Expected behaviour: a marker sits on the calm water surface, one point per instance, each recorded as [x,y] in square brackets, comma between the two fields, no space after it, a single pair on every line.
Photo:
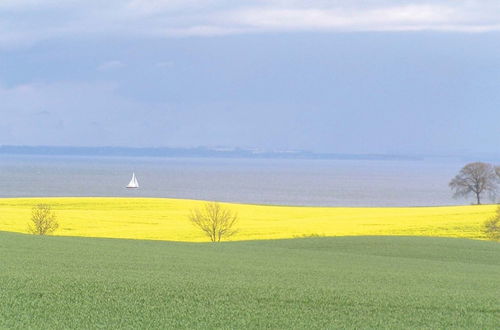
[286,182]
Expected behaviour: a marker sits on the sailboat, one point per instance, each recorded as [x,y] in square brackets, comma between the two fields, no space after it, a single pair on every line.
[133,183]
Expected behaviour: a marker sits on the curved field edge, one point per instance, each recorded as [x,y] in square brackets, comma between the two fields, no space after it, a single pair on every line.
[313,283]
[167,219]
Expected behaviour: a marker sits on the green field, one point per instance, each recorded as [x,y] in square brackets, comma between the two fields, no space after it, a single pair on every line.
[346,282]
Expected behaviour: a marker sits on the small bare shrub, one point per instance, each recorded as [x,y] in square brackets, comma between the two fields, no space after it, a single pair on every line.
[492,227]
[43,220]
[215,221]
[312,235]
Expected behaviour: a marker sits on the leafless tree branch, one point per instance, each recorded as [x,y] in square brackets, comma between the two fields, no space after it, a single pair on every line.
[215,221]
[476,179]
[43,220]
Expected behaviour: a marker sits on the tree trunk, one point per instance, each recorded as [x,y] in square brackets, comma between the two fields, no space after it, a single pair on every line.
[478,199]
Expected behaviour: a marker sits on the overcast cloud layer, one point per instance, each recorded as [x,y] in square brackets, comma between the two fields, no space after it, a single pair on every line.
[28,21]
[338,76]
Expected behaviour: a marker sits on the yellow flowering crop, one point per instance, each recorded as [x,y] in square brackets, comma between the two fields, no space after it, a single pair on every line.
[167,219]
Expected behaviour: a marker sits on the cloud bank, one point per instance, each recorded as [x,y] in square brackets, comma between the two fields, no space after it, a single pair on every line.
[27,21]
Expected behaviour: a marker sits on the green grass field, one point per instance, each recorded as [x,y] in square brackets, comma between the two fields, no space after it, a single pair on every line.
[338,282]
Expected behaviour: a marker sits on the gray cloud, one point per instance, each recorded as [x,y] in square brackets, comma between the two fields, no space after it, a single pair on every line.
[28,21]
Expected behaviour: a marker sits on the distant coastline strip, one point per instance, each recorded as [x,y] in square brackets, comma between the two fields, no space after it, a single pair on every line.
[196,152]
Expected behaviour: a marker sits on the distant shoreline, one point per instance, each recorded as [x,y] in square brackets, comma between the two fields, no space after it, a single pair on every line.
[198,152]
[233,153]
[196,200]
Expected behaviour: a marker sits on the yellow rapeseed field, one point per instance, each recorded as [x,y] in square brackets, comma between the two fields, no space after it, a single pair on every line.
[166,219]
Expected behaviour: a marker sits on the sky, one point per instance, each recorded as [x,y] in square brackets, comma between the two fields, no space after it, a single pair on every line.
[384,77]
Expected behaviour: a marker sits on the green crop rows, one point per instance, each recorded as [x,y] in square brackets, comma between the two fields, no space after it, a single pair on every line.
[344,282]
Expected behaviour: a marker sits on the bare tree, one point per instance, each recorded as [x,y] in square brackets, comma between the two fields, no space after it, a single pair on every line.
[492,226]
[215,221]
[476,179]
[43,220]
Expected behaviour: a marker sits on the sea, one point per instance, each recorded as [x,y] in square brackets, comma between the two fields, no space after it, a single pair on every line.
[255,181]
[304,182]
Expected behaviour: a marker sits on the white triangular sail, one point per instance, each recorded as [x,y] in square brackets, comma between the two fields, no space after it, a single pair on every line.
[133,183]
